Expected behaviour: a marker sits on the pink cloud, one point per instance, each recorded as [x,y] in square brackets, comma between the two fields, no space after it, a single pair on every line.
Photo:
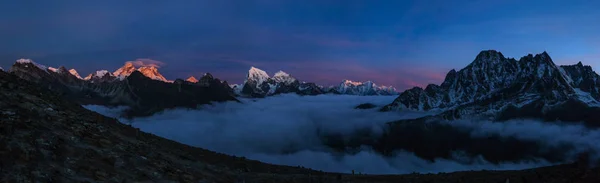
[141,62]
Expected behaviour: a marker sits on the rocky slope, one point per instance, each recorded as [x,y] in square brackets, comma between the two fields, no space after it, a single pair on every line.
[499,88]
[259,84]
[48,139]
[142,94]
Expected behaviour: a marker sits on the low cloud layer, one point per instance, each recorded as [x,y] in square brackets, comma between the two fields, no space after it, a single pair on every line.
[554,134]
[283,130]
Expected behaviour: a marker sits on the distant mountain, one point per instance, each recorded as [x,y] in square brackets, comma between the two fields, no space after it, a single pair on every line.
[144,95]
[148,71]
[125,71]
[348,87]
[100,76]
[259,84]
[152,73]
[500,88]
[192,79]
[75,73]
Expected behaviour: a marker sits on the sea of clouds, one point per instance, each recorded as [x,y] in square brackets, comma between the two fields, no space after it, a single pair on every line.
[284,130]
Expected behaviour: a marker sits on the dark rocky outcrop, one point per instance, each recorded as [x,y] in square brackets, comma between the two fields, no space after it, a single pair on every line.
[365,106]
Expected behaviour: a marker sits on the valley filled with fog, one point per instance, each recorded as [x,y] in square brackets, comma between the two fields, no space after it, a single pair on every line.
[285,129]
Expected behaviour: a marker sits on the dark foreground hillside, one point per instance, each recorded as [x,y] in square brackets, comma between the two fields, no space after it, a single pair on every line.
[46,139]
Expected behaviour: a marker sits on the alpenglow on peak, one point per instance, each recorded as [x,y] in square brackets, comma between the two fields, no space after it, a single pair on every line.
[257,75]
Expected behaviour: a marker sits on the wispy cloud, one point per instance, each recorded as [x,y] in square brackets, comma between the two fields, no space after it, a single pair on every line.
[146,62]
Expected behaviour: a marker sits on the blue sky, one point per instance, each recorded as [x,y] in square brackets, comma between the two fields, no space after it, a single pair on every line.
[400,43]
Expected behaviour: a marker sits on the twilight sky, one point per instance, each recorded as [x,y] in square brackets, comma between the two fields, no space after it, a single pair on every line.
[399,43]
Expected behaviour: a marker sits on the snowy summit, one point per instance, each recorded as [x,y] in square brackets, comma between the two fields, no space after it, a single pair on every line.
[98,74]
[257,75]
[75,73]
[29,61]
[192,79]
[152,73]
[124,71]
[282,77]
[148,71]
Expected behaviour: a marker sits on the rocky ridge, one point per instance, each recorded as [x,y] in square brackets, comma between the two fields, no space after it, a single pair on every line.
[500,88]
[142,94]
[259,84]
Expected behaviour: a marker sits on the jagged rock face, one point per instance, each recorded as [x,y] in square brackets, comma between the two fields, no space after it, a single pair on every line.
[284,78]
[237,88]
[152,73]
[206,80]
[259,84]
[75,73]
[534,88]
[490,72]
[256,84]
[209,81]
[584,78]
[29,70]
[148,71]
[309,89]
[100,77]
[124,71]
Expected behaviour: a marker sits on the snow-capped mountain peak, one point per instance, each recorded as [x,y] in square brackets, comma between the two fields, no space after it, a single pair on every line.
[351,83]
[257,75]
[100,74]
[148,71]
[74,73]
[53,69]
[192,79]
[492,75]
[29,61]
[282,77]
[124,71]
[152,73]
[350,87]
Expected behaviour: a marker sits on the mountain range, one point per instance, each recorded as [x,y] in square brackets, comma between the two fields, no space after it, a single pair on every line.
[500,88]
[143,90]
[46,138]
[492,88]
[259,84]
